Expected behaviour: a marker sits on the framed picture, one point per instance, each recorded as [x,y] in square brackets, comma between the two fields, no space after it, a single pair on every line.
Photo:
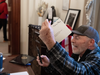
[71,17]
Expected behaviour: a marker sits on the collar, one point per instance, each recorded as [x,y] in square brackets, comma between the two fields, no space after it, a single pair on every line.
[76,56]
[84,55]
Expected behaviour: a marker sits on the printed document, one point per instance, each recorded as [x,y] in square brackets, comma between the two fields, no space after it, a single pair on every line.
[61,31]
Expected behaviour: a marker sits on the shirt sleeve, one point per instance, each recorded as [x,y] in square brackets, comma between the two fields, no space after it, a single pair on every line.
[5,9]
[62,62]
[51,70]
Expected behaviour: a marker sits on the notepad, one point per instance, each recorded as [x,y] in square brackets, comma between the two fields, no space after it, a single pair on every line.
[61,31]
[20,73]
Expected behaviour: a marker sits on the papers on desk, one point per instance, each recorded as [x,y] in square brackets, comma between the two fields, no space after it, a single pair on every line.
[61,31]
[20,73]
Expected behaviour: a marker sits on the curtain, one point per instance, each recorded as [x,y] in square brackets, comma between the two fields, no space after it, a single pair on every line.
[89,12]
[96,17]
[97,20]
[92,11]
[93,14]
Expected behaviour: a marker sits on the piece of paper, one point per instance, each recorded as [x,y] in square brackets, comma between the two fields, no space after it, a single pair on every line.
[65,4]
[61,31]
[4,58]
[20,73]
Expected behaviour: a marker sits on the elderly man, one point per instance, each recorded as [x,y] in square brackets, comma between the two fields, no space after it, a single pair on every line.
[85,59]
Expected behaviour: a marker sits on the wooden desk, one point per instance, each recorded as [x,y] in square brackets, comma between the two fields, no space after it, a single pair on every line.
[11,67]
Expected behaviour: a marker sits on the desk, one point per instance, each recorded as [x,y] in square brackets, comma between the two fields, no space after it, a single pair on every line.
[11,67]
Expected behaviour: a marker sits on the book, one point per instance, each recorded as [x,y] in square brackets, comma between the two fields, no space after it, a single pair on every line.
[23,59]
[4,73]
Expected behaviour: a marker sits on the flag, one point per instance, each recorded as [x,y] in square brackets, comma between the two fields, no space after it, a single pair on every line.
[66,43]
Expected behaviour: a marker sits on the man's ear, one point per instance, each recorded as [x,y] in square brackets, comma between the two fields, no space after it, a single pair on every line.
[91,43]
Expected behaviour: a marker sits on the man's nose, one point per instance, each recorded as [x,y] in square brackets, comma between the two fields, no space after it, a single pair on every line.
[72,40]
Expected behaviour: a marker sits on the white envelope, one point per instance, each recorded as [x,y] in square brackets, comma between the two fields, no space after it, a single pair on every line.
[20,73]
[61,31]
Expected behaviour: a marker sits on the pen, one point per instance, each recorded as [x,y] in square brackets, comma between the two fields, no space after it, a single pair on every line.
[39,55]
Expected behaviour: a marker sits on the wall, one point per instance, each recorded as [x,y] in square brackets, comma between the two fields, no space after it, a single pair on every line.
[60,13]
[29,16]
[7,1]
[32,13]
[78,4]
[24,26]
[33,6]
[74,4]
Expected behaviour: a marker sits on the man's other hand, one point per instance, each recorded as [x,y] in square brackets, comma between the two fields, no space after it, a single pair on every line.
[47,35]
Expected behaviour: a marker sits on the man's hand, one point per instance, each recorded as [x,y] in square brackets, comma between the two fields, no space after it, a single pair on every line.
[46,34]
[45,61]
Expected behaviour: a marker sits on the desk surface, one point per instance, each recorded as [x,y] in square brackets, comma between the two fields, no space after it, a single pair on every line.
[11,67]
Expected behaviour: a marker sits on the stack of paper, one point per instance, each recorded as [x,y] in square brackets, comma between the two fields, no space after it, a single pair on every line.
[20,73]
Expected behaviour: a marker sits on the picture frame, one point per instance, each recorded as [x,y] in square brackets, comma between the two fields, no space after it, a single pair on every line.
[71,17]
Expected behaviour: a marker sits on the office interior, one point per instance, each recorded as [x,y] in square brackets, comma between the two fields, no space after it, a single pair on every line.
[28,15]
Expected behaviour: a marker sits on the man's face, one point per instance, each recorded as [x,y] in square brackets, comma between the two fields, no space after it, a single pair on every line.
[79,44]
